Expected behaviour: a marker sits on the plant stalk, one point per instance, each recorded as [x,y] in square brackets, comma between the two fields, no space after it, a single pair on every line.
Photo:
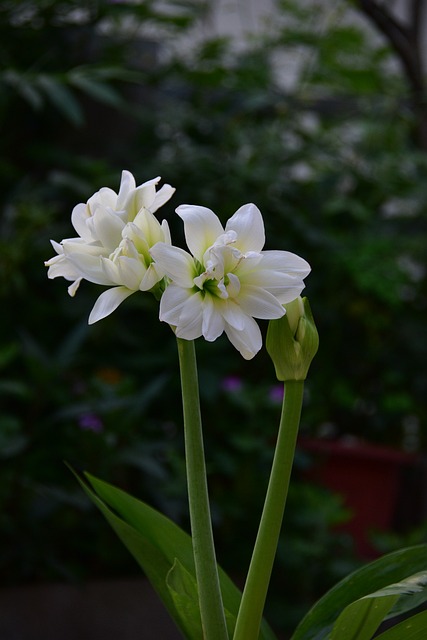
[255,592]
[210,599]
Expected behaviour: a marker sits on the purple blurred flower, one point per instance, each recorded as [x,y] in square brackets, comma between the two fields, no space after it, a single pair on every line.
[91,422]
[275,393]
[232,384]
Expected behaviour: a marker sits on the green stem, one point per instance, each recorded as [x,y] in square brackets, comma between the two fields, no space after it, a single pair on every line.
[210,600]
[256,587]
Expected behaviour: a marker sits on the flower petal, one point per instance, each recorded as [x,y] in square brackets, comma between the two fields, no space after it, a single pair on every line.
[148,224]
[59,266]
[284,286]
[202,227]
[108,302]
[259,303]
[79,217]
[191,318]
[176,263]
[108,228]
[105,197]
[127,186]
[247,222]
[89,267]
[144,195]
[162,196]
[131,272]
[171,303]
[213,322]
[248,341]
[166,232]
[233,314]
[150,278]
[285,261]
[72,289]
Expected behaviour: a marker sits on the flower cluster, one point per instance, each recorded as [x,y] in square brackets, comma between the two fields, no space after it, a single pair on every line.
[227,280]
[221,285]
[116,232]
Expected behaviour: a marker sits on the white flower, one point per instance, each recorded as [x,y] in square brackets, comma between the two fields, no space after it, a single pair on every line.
[116,232]
[228,280]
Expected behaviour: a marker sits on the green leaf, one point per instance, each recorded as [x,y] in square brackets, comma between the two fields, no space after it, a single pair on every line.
[361,619]
[62,98]
[158,545]
[382,574]
[414,628]
[24,86]
[98,90]
[183,588]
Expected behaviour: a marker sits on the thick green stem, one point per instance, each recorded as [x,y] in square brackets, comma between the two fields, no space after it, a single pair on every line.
[256,587]
[210,600]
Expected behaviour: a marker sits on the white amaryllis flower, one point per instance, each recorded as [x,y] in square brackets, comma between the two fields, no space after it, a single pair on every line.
[116,232]
[228,280]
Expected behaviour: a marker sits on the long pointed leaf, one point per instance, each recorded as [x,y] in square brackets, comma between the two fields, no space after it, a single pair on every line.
[183,588]
[415,628]
[392,568]
[156,543]
[361,619]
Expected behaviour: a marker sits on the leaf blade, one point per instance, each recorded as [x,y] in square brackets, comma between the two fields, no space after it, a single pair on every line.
[392,568]
[170,543]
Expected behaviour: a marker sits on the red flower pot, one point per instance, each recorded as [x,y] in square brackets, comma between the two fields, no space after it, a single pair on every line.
[369,479]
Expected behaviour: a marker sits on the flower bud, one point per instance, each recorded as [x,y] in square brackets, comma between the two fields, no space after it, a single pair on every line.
[292,341]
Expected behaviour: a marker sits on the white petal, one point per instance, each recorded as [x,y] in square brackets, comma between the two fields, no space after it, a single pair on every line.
[248,263]
[213,322]
[108,227]
[247,222]
[72,289]
[233,287]
[163,195]
[131,272]
[79,216]
[248,341]
[176,263]
[77,245]
[283,286]
[150,278]
[110,270]
[149,226]
[289,294]
[89,267]
[60,267]
[259,303]
[105,197]
[145,194]
[171,303]
[233,314]
[127,185]
[166,232]
[202,227]
[190,322]
[285,261]
[57,246]
[108,302]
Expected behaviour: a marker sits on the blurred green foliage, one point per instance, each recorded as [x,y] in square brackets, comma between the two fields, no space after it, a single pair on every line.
[332,164]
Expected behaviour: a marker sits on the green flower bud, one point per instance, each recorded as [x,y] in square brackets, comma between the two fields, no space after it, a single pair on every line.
[292,341]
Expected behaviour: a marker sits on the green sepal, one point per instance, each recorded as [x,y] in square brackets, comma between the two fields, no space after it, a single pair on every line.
[292,341]
[165,553]
[400,574]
